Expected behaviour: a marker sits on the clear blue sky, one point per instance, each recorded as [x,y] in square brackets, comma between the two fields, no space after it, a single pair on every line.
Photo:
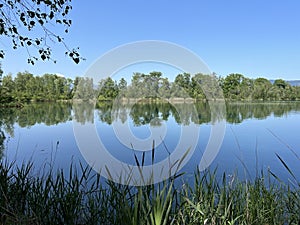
[258,38]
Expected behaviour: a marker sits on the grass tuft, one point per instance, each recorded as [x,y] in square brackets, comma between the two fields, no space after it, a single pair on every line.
[80,197]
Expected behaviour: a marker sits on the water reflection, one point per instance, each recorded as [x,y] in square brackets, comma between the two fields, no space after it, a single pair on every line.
[47,113]
[30,115]
[83,112]
[144,113]
[237,112]
[140,113]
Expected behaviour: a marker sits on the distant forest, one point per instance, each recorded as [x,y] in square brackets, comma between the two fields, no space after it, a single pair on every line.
[25,87]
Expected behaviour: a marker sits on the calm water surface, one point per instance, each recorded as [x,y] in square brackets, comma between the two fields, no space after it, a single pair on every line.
[255,132]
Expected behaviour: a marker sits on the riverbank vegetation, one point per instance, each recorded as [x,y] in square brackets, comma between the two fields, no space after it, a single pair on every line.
[25,87]
[80,196]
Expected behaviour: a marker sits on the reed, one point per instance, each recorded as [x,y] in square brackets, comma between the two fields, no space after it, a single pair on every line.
[82,197]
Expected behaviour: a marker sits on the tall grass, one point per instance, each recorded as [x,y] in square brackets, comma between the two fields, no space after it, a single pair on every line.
[81,197]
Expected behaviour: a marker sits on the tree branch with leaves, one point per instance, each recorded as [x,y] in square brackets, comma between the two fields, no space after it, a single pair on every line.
[19,18]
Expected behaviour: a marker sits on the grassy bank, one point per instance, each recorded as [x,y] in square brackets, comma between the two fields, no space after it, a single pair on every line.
[80,198]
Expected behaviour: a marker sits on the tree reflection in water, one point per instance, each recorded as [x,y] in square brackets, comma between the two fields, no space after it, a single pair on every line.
[140,113]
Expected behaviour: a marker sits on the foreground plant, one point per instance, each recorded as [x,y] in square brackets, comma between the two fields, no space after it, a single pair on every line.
[82,197]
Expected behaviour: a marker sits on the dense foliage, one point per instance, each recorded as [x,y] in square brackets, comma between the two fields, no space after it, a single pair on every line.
[25,87]
[201,87]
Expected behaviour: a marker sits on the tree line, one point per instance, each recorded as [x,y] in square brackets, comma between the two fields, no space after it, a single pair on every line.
[26,87]
[235,87]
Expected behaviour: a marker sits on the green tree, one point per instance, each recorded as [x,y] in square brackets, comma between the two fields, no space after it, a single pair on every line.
[39,89]
[282,90]
[122,87]
[181,87]
[6,91]
[155,78]
[62,87]
[75,85]
[232,86]
[297,92]
[164,89]
[151,84]
[206,87]
[261,89]
[136,88]
[48,81]
[27,87]
[246,86]
[196,89]
[68,88]
[108,89]
[179,80]
[22,91]
[280,83]
[85,89]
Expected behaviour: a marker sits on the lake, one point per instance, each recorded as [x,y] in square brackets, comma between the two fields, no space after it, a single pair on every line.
[253,135]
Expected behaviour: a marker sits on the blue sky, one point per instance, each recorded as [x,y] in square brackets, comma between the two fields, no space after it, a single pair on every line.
[256,38]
